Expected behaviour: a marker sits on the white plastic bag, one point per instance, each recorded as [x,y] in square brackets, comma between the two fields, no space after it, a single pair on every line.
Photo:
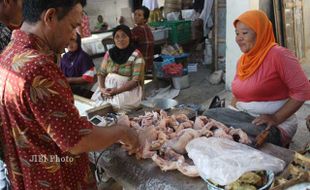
[173,16]
[189,14]
[224,161]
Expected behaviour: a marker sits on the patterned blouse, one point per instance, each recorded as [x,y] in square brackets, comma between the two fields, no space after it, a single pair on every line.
[5,36]
[134,68]
[144,41]
[39,120]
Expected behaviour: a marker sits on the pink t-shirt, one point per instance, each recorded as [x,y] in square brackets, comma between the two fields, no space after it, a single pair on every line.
[279,77]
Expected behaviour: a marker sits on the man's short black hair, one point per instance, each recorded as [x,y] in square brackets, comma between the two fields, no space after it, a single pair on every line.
[146,12]
[32,9]
[2,0]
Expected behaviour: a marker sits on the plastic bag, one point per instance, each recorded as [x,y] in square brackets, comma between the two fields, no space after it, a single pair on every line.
[173,16]
[224,161]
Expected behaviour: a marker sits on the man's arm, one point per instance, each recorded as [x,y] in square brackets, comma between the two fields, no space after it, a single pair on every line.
[62,121]
[101,138]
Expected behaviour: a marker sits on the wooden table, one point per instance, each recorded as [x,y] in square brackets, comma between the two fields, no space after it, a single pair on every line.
[145,175]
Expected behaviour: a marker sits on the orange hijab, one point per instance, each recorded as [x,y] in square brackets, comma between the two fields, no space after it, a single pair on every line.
[249,62]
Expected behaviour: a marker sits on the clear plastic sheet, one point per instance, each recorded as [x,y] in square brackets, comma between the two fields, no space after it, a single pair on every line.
[223,161]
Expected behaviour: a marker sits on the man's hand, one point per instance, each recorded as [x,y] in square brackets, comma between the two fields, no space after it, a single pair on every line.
[130,138]
[269,120]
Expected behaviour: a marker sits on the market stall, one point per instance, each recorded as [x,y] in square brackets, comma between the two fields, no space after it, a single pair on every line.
[144,174]
[133,173]
[154,170]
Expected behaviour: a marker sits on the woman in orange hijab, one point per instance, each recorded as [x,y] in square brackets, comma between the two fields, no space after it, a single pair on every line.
[269,83]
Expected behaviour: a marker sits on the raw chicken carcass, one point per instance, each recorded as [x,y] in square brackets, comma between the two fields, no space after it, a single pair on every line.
[164,165]
[239,136]
[161,139]
[149,134]
[181,118]
[180,141]
[221,134]
[187,124]
[200,122]
[169,161]
[213,125]
[186,169]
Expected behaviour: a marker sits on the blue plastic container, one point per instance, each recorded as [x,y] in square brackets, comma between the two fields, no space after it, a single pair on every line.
[182,58]
[158,65]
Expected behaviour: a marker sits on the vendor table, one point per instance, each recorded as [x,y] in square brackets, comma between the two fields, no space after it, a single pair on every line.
[146,175]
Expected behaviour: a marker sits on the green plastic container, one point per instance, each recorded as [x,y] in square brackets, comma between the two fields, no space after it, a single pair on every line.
[180,30]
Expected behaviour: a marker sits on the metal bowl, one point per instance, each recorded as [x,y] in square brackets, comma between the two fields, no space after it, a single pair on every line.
[164,103]
[270,176]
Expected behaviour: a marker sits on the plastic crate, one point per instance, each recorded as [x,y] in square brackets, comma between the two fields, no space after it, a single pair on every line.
[161,24]
[158,65]
[160,34]
[192,67]
[182,58]
[180,30]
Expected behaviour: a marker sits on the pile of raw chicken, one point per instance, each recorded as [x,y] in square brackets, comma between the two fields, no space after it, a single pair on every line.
[167,136]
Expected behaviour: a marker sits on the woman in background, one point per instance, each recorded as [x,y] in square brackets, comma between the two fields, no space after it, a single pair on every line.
[142,36]
[269,83]
[121,73]
[78,68]
[101,26]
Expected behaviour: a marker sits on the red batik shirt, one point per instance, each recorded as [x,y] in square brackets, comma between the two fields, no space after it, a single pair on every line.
[144,41]
[39,120]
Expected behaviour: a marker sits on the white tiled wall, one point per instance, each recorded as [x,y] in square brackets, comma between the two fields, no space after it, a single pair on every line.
[109,9]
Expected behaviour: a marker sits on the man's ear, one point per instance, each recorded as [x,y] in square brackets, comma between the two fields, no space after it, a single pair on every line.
[49,16]
[7,3]
[6,6]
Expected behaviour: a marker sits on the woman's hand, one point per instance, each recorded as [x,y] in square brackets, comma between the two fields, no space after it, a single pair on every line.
[105,92]
[287,110]
[269,120]
[112,91]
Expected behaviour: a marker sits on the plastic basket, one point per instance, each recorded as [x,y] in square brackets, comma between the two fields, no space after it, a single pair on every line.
[182,58]
[192,67]
[158,65]
[180,30]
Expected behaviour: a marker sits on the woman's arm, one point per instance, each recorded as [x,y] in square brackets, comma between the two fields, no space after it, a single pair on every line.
[101,86]
[101,80]
[287,110]
[76,80]
[233,101]
[126,87]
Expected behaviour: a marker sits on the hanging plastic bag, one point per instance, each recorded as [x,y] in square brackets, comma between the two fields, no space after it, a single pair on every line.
[223,161]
